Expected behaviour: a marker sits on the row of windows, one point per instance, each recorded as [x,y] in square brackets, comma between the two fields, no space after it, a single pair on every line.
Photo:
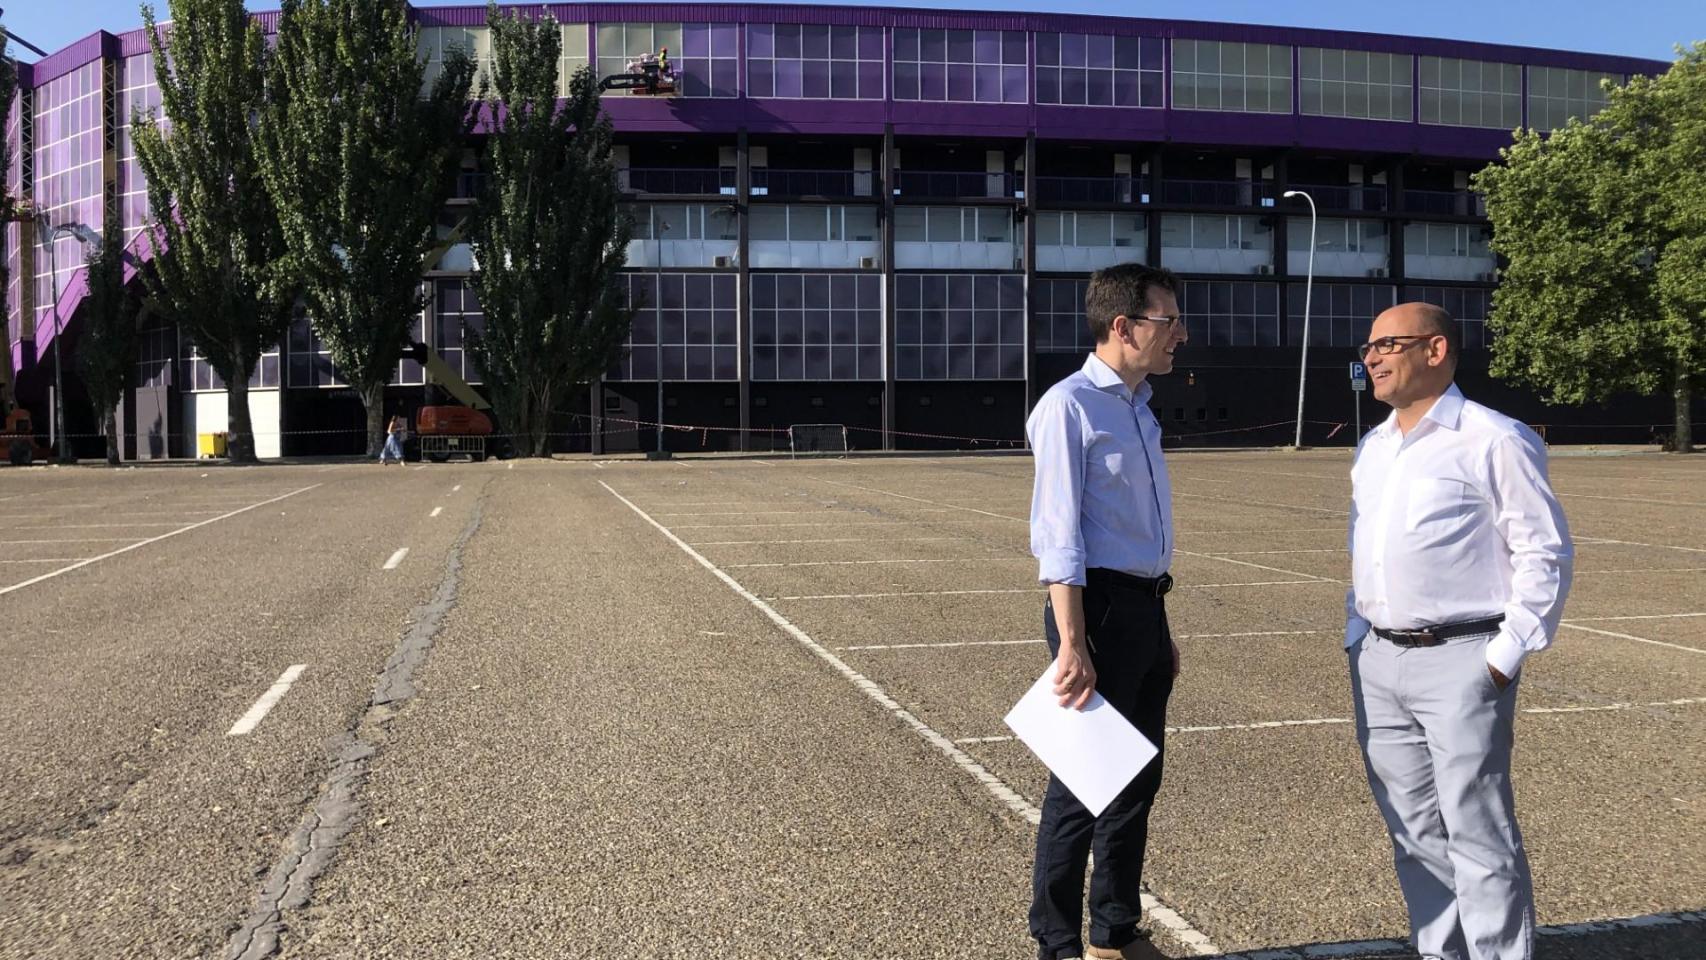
[829,327]
[818,61]
[936,230]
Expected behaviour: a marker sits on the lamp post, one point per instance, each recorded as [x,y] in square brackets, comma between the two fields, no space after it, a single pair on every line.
[1308,294]
[83,234]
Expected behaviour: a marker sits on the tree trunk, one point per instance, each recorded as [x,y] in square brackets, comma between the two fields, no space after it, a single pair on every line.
[239,427]
[373,398]
[1684,440]
[539,429]
[109,424]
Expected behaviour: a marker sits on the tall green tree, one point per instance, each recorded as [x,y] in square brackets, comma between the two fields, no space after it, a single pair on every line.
[106,348]
[359,161]
[220,268]
[1603,224]
[548,234]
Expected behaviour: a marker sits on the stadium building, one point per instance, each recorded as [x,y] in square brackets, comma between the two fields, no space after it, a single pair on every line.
[885,219]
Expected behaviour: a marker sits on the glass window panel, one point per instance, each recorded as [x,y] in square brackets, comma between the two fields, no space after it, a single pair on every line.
[1048,49]
[1208,56]
[1099,51]
[787,40]
[1073,49]
[1013,47]
[1072,85]
[844,42]
[961,44]
[1048,85]
[814,41]
[905,44]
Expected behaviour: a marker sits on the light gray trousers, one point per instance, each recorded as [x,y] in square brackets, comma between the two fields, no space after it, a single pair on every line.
[1436,739]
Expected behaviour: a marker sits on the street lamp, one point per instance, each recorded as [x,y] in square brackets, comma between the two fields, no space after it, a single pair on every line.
[1308,293]
[88,237]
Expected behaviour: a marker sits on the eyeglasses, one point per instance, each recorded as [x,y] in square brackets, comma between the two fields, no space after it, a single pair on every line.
[1387,346]
[1165,323]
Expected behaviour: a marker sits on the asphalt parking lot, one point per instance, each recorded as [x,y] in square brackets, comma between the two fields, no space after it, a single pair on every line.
[752,708]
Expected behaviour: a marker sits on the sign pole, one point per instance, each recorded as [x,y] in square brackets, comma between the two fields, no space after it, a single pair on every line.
[1359,383]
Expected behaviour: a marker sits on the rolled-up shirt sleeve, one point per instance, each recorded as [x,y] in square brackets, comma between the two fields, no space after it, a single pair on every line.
[1542,556]
[1057,494]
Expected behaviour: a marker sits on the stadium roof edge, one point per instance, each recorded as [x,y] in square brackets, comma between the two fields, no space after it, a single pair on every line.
[131,42]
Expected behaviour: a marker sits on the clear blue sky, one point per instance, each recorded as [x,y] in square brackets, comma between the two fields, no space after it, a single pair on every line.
[1642,28]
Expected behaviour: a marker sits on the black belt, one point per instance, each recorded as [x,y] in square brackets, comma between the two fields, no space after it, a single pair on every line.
[1149,586]
[1434,636]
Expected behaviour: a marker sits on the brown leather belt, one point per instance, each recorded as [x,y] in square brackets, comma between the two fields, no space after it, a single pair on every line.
[1434,636]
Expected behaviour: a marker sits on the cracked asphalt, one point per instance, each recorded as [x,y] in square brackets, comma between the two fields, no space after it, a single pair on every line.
[554,733]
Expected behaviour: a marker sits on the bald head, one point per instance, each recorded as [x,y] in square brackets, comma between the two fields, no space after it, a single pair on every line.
[1428,319]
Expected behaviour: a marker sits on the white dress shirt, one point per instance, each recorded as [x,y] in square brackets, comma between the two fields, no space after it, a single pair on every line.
[1456,521]
[1101,497]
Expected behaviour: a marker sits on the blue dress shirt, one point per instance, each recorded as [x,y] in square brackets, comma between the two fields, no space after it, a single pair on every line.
[1101,496]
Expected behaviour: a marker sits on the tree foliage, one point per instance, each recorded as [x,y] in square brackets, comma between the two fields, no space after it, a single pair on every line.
[549,236]
[1603,225]
[220,269]
[359,161]
[106,348]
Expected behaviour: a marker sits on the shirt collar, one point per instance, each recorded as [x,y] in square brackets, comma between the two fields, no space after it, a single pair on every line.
[1446,412]
[1103,377]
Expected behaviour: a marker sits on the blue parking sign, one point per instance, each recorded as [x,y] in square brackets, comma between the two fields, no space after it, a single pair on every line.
[1358,371]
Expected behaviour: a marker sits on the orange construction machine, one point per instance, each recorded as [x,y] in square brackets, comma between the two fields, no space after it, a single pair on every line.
[444,430]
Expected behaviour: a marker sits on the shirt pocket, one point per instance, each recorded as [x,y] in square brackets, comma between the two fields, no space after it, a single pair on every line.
[1436,501]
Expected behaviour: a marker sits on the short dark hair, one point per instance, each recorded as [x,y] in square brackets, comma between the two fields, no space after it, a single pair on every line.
[1123,290]
[1444,325]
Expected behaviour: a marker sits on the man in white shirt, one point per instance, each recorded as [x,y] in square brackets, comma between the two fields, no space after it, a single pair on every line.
[1460,563]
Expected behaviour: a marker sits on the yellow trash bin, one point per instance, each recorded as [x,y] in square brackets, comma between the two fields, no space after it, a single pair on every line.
[210,444]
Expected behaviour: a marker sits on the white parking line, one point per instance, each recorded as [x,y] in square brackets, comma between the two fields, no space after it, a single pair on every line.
[840,522]
[1263,503]
[267,701]
[1630,636]
[1365,948]
[1666,503]
[1252,633]
[436,511]
[396,558]
[1257,566]
[745,543]
[46,560]
[850,563]
[995,785]
[1343,721]
[143,543]
[827,513]
[909,593]
[76,540]
[91,526]
[942,646]
[1636,616]
[1637,543]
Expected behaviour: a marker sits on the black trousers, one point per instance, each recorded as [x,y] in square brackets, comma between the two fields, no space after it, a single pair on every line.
[1131,650]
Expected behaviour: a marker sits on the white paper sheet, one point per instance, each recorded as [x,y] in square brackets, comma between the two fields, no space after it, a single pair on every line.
[1095,751]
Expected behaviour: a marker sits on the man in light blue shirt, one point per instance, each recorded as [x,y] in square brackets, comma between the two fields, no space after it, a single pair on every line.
[1102,532]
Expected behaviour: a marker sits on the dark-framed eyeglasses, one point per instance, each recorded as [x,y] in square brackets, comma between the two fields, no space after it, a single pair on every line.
[1165,323]
[1387,346]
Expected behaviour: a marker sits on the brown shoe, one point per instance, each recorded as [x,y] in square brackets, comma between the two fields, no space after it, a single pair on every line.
[1139,949]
